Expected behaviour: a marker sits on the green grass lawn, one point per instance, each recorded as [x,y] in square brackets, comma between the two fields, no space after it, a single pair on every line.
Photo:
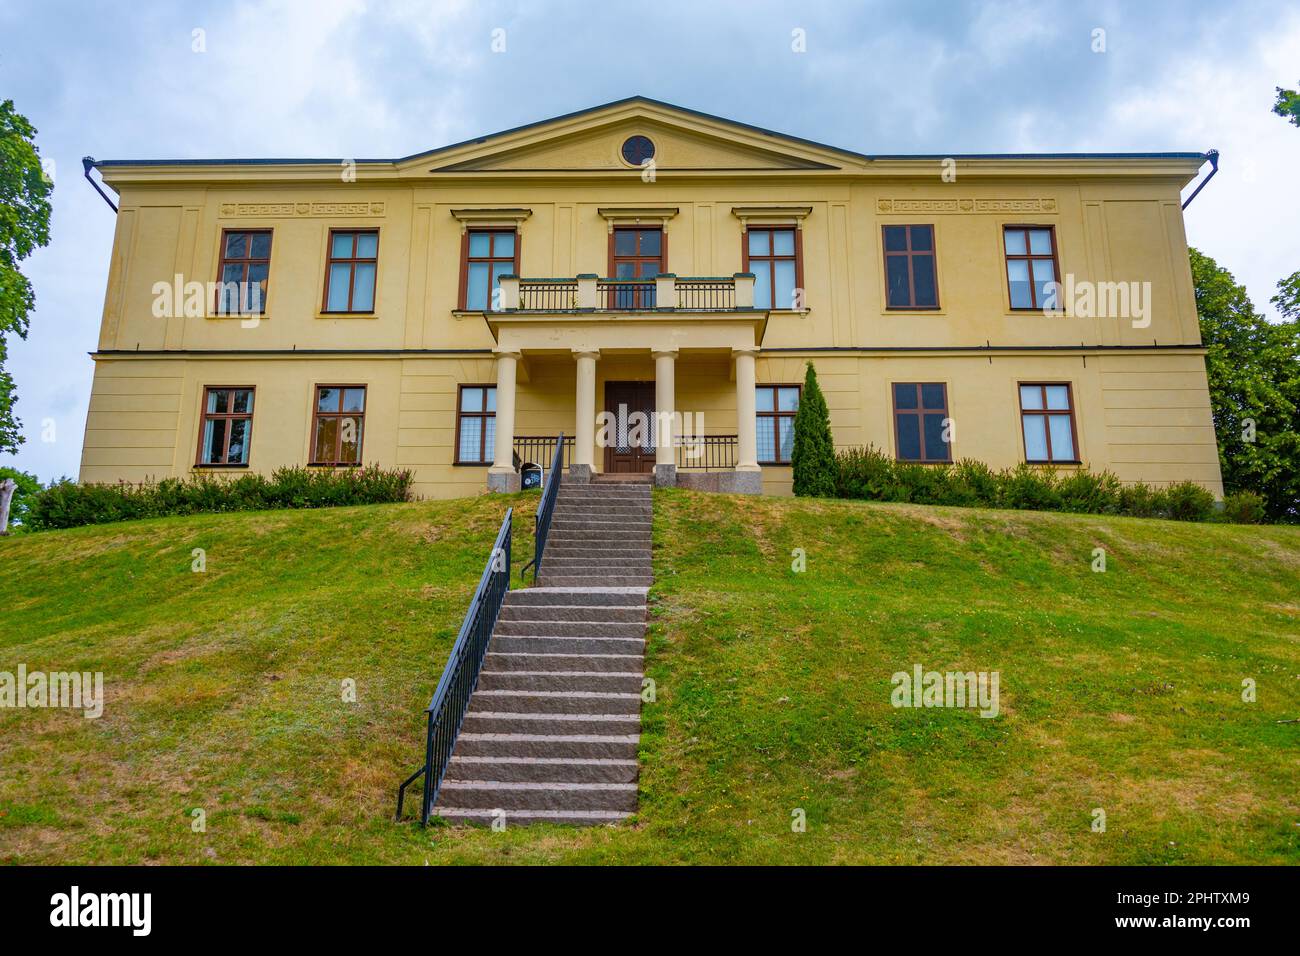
[1119,690]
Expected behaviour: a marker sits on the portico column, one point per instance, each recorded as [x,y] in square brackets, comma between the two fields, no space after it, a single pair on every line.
[582,465]
[748,477]
[502,475]
[665,419]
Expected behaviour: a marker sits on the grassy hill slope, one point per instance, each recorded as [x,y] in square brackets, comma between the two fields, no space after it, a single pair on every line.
[1119,690]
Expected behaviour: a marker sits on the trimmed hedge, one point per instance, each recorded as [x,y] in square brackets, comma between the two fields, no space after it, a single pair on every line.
[66,504]
[871,474]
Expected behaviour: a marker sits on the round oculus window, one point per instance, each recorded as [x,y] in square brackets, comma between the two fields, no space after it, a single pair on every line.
[637,149]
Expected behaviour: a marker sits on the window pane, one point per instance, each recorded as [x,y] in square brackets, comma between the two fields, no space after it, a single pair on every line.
[936,449]
[786,427]
[337,301]
[489,438]
[788,400]
[763,398]
[341,245]
[923,277]
[363,287]
[1044,276]
[239,434]
[1035,437]
[219,400]
[1062,439]
[648,270]
[759,242]
[491,394]
[1031,396]
[783,291]
[503,245]
[1040,242]
[228,301]
[500,269]
[236,245]
[904,395]
[242,401]
[1018,278]
[471,433]
[327,433]
[625,270]
[767,439]
[895,238]
[471,399]
[480,244]
[367,245]
[261,245]
[327,399]
[255,291]
[650,242]
[1058,396]
[932,396]
[1014,239]
[900,294]
[354,400]
[214,439]
[922,238]
[783,242]
[762,283]
[476,288]
[350,440]
[624,242]
[909,437]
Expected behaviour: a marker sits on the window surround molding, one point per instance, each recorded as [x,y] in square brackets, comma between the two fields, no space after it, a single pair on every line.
[491,217]
[773,216]
[637,216]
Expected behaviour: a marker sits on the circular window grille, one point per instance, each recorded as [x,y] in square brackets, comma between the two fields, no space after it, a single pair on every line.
[637,149]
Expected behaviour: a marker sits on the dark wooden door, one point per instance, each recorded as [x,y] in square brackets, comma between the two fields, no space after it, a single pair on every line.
[631,449]
[635,253]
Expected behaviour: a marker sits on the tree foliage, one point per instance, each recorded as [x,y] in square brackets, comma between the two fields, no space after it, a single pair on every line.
[24,226]
[1254,376]
[813,458]
[1288,105]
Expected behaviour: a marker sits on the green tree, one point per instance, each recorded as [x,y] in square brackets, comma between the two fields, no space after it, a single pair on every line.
[24,225]
[813,458]
[1288,105]
[1287,300]
[28,487]
[1254,376]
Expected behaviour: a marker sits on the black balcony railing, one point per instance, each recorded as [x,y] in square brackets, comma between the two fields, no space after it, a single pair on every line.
[707,453]
[626,295]
[706,295]
[546,295]
[446,711]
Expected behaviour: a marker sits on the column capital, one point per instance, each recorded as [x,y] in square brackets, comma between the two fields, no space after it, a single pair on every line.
[507,353]
[663,353]
[586,353]
[750,350]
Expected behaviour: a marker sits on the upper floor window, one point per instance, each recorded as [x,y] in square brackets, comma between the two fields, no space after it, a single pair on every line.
[1031,265]
[338,422]
[909,268]
[226,430]
[489,255]
[639,254]
[776,406]
[1047,417]
[476,421]
[350,273]
[920,421]
[773,255]
[245,266]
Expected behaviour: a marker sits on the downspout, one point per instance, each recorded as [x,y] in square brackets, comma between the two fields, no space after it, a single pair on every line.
[1213,156]
[87,164]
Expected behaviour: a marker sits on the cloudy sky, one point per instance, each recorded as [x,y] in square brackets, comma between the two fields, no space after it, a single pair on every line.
[357,78]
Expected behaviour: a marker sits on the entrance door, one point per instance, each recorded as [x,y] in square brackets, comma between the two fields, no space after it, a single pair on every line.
[635,253]
[632,450]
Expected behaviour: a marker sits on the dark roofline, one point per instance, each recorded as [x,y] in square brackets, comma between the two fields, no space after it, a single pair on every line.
[653,102]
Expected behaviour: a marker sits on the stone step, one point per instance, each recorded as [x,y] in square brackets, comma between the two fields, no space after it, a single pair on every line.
[619,580]
[514,661]
[554,702]
[624,682]
[556,746]
[570,628]
[613,497]
[633,549]
[496,722]
[542,769]
[628,613]
[640,562]
[562,525]
[565,644]
[615,533]
[599,597]
[518,818]
[603,508]
[494,794]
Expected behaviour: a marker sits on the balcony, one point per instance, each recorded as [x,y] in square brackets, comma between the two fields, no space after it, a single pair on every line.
[663,293]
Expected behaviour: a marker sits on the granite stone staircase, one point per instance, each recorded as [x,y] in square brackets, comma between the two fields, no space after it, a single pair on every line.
[552,729]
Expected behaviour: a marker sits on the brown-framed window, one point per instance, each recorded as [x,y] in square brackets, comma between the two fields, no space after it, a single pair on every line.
[1031,265]
[910,277]
[243,272]
[476,424]
[350,272]
[636,252]
[1047,421]
[226,429]
[920,421]
[775,256]
[337,424]
[486,256]
[775,406]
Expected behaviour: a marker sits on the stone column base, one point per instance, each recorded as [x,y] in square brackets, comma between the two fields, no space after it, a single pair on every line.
[665,476]
[503,481]
[580,474]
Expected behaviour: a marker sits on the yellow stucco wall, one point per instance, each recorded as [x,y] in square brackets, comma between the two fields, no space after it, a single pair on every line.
[1142,410]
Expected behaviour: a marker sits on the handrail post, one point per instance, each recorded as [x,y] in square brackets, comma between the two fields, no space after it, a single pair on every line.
[744,290]
[588,298]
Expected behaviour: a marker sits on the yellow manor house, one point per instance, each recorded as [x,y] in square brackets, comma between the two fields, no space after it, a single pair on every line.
[650,282]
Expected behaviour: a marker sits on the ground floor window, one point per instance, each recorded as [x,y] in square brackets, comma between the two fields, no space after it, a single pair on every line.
[1047,417]
[227,427]
[476,420]
[921,431]
[776,407]
[337,425]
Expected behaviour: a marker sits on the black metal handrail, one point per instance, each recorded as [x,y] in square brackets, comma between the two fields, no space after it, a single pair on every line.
[708,453]
[550,491]
[459,678]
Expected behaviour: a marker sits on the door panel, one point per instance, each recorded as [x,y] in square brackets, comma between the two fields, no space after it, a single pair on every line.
[632,450]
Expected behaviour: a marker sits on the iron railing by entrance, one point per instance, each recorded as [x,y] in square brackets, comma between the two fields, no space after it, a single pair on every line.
[533,449]
[707,453]
[550,491]
[446,711]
